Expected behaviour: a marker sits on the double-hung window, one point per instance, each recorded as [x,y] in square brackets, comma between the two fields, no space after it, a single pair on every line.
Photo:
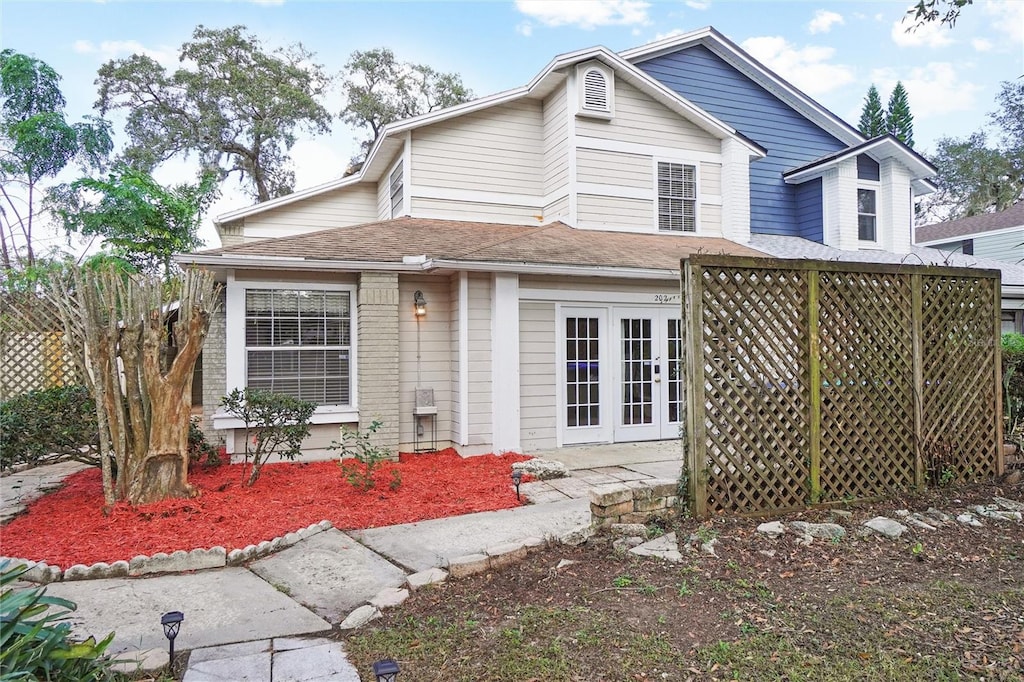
[299,342]
[867,215]
[396,188]
[677,197]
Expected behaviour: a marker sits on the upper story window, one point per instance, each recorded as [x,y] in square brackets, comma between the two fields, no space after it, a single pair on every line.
[299,342]
[677,197]
[597,93]
[396,188]
[867,215]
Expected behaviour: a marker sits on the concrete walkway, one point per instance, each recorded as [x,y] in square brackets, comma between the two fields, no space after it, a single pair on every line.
[266,622]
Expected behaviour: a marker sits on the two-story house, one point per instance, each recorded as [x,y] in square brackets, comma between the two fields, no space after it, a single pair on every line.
[504,274]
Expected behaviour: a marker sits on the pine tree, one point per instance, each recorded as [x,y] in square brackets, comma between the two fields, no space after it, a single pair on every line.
[872,118]
[898,119]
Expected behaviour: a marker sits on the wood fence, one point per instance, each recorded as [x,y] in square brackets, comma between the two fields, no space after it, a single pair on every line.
[815,382]
[32,353]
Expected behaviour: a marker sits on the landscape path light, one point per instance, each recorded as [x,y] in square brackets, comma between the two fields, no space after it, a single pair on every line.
[517,478]
[172,624]
[386,670]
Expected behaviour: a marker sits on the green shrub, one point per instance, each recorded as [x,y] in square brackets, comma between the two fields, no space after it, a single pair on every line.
[361,460]
[1013,387]
[35,642]
[200,450]
[274,423]
[45,426]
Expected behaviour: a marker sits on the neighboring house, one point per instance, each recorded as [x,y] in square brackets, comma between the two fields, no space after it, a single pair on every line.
[995,236]
[518,255]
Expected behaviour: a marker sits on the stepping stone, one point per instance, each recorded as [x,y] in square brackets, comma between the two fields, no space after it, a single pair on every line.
[664,547]
[773,529]
[939,515]
[360,617]
[887,527]
[1009,505]
[823,531]
[968,520]
[323,661]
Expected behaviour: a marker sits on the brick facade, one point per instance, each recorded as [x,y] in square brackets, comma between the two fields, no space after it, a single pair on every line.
[378,393]
[214,371]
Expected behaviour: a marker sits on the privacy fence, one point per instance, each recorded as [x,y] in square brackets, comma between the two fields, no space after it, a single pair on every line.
[816,381]
[32,354]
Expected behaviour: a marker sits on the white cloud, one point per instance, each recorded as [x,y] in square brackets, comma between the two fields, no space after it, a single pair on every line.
[524,28]
[933,89]
[114,49]
[824,20]
[931,34]
[1008,18]
[669,34]
[982,44]
[807,68]
[586,14]
[698,4]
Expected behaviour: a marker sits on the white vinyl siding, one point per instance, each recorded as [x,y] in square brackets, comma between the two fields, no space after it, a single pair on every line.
[557,210]
[710,180]
[537,375]
[384,191]
[613,168]
[445,209]
[498,150]
[641,120]
[480,428]
[677,197]
[424,362]
[352,205]
[614,213]
[556,143]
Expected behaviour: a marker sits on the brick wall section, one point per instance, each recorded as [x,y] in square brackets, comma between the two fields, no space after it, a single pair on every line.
[638,503]
[378,355]
[214,373]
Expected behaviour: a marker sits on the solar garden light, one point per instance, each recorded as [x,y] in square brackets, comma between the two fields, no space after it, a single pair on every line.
[172,623]
[517,478]
[386,670]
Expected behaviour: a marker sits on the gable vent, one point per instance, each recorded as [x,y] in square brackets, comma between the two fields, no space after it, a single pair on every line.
[596,87]
[595,90]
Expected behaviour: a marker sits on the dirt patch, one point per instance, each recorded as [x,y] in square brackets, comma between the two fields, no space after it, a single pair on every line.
[933,605]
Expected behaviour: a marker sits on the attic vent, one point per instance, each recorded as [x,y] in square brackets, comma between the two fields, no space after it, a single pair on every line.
[596,90]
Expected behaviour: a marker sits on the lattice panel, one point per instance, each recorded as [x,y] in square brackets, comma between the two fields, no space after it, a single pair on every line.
[754,366]
[867,369]
[31,359]
[958,396]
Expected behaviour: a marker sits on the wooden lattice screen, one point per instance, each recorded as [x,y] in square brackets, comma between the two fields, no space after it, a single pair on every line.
[32,353]
[816,381]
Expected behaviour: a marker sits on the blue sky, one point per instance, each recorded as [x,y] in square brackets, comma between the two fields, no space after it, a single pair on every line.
[832,50]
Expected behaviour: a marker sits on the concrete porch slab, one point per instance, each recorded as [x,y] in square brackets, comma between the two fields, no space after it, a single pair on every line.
[614,454]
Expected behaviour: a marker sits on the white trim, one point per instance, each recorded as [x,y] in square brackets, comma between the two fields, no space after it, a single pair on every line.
[571,270]
[603,432]
[571,107]
[573,296]
[892,149]
[407,183]
[327,414]
[485,197]
[463,358]
[606,145]
[698,229]
[969,235]
[505,404]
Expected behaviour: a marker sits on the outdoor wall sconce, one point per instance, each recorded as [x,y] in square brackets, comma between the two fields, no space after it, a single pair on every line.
[172,623]
[517,478]
[386,670]
[419,304]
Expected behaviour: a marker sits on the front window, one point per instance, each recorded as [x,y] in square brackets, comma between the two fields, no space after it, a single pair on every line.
[677,197]
[298,342]
[867,216]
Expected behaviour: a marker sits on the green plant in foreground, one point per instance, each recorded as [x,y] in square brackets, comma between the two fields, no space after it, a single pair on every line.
[622,581]
[361,459]
[34,641]
[274,423]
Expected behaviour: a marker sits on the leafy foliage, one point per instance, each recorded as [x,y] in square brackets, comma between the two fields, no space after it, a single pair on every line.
[37,142]
[872,117]
[1013,387]
[898,119]
[200,450]
[361,459]
[236,105]
[274,424]
[41,427]
[379,90]
[35,641]
[141,221]
[943,11]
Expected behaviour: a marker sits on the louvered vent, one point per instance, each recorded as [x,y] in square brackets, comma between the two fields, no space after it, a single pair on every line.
[595,90]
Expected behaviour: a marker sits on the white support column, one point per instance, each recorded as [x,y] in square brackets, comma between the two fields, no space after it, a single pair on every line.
[234,342]
[463,358]
[839,194]
[505,362]
[895,215]
[735,191]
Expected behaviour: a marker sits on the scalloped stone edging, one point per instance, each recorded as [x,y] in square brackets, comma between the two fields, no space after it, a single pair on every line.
[180,561]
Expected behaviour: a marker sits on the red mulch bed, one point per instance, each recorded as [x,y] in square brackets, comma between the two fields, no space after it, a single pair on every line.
[68,526]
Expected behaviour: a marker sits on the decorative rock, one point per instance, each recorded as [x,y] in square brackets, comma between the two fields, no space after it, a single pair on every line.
[98,570]
[887,527]
[578,535]
[1009,505]
[825,531]
[137,562]
[236,557]
[611,494]
[467,565]
[565,563]
[389,597]
[627,529]
[915,520]
[773,529]
[77,572]
[427,577]
[841,513]
[506,554]
[291,538]
[277,544]
[664,547]
[541,469]
[360,617]
[709,547]
[903,513]
[939,515]
[622,544]
[993,512]
[263,548]
[968,520]
[767,552]
[42,573]
[805,540]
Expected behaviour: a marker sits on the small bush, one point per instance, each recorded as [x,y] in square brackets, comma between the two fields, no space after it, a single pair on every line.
[1013,387]
[200,450]
[42,427]
[274,423]
[361,460]
[34,641]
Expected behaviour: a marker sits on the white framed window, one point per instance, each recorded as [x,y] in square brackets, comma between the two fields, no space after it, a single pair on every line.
[597,90]
[396,187]
[867,214]
[299,341]
[677,197]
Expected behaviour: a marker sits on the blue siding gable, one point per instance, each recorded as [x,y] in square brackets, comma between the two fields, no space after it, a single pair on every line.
[708,81]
